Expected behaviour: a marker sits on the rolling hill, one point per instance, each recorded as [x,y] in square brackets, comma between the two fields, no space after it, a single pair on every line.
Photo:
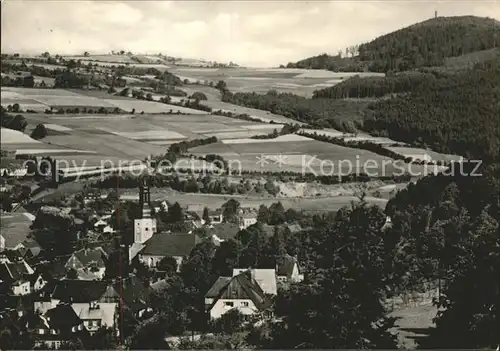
[423,44]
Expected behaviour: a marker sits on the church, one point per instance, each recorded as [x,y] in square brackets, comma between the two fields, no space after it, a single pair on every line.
[150,246]
[144,227]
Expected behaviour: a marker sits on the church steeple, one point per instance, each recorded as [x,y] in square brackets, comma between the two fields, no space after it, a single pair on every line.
[144,199]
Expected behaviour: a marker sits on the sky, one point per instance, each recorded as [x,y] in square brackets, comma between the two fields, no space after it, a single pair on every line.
[251,33]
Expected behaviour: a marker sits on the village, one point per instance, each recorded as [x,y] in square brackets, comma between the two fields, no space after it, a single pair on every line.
[154,194]
[85,290]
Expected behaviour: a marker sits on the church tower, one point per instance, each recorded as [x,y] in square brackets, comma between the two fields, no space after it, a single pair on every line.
[144,227]
[144,200]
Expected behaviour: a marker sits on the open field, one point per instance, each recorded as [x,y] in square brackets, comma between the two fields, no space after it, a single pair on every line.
[279,139]
[150,106]
[412,151]
[10,136]
[197,202]
[260,80]
[295,155]
[126,136]
[103,58]
[263,116]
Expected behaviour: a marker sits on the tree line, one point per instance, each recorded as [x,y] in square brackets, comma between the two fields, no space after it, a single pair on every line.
[457,114]
[339,114]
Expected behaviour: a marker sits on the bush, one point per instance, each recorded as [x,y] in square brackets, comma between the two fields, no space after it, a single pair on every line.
[39,132]
[199,96]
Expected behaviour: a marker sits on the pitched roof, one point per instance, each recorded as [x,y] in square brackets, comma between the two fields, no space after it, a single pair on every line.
[247,212]
[14,271]
[131,289]
[53,269]
[219,284]
[285,267]
[170,244]
[104,312]
[70,290]
[224,231]
[33,246]
[87,257]
[243,286]
[266,278]
[213,213]
[62,317]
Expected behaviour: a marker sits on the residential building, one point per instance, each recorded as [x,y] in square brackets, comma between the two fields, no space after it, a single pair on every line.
[288,270]
[266,278]
[38,281]
[15,277]
[222,232]
[132,293]
[57,325]
[241,292]
[90,261]
[86,298]
[215,216]
[247,217]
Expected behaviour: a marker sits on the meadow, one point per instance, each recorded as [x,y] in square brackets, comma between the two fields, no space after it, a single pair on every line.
[260,80]
[196,202]
[294,153]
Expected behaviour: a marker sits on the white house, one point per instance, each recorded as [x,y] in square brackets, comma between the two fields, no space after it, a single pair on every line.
[247,217]
[16,277]
[86,298]
[266,278]
[91,261]
[215,216]
[241,292]
[289,271]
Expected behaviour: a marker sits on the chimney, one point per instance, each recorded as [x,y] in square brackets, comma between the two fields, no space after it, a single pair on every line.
[435,14]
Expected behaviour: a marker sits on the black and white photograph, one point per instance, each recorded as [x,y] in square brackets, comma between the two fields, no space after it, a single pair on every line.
[250,175]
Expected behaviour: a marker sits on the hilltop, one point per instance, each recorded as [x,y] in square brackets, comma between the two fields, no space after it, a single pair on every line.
[423,44]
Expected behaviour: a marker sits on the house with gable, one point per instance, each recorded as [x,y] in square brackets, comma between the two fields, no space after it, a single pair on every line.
[90,262]
[289,271]
[86,299]
[247,217]
[133,293]
[266,278]
[241,292]
[222,232]
[15,277]
[58,325]
[215,216]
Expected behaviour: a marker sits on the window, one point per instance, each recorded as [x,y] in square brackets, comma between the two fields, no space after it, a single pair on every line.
[41,331]
[244,303]
[229,303]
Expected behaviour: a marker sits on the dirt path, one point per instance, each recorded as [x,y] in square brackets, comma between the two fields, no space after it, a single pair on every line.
[414,323]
